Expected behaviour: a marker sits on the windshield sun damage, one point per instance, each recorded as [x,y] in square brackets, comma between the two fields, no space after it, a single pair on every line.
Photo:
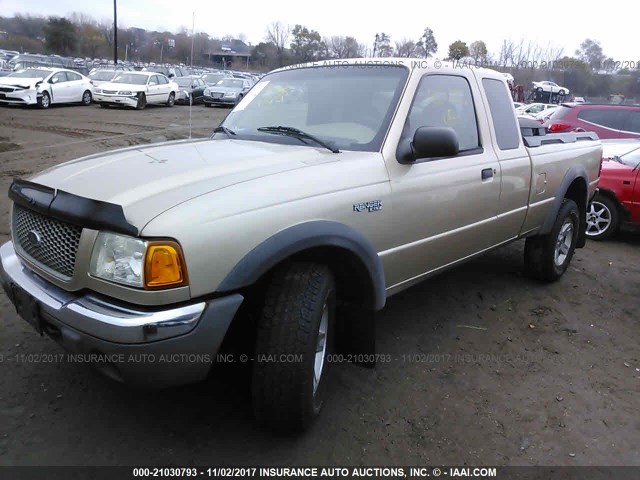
[349,107]
[230,83]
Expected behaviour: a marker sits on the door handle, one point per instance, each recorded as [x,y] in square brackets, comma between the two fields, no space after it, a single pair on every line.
[487,173]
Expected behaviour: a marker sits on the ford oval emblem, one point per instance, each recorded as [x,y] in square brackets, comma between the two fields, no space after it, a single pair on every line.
[34,238]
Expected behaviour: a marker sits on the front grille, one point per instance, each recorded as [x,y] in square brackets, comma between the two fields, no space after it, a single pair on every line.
[46,240]
[110,92]
[216,94]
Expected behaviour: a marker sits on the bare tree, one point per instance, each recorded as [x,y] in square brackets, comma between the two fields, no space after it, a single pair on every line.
[278,33]
[343,47]
[405,48]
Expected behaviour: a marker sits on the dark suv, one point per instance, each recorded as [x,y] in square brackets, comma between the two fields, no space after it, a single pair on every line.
[608,121]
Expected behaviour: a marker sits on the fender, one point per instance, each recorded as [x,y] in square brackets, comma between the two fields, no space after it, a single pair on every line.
[576,171]
[321,233]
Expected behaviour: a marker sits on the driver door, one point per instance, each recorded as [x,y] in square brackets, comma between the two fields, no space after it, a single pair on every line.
[59,86]
[446,207]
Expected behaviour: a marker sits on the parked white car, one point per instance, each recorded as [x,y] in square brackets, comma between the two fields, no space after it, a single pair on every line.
[44,87]
[550,87]
[137,90]
[535,108]
[100,77]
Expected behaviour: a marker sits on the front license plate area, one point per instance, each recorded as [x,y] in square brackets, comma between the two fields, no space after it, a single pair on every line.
[27,307]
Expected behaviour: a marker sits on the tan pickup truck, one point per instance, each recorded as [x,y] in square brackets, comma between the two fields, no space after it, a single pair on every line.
[327,189]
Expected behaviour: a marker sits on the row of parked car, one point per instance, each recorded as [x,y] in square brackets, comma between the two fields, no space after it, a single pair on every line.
[45,86]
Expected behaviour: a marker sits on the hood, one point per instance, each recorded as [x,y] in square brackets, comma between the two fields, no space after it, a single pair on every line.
[611,165]
[225,89]
[147,181]
[19,82]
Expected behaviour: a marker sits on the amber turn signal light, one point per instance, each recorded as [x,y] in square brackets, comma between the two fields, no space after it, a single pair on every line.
[164,265]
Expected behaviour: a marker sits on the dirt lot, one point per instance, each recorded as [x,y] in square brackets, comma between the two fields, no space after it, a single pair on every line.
[487,366]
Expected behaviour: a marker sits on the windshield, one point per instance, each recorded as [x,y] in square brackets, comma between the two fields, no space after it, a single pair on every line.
[349,107]
[131,78]
[31,73]
[184,82]
[102,75]
[230,83]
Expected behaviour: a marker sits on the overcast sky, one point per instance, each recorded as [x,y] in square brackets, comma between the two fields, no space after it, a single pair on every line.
[563,24]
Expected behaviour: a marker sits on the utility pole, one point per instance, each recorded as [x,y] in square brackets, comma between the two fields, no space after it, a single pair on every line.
[193,26]
[115,33]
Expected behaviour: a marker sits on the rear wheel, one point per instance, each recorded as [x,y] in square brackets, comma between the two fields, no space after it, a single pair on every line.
[602,218]
[44,101]
[142,101]
[547,257]
[172,100]
[295,336]
[86,98]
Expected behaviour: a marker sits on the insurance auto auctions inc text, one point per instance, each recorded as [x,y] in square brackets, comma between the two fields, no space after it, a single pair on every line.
[376,472]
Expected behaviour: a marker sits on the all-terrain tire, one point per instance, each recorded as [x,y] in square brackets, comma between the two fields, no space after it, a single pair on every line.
[298,314]
[547,257]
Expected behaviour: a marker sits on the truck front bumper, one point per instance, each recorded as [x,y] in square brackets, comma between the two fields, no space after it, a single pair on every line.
[154,348]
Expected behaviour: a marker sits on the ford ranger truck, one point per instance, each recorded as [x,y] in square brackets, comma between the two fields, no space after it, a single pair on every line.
[329,188]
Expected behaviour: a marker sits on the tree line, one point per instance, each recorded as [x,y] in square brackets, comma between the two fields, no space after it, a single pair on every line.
[81,35]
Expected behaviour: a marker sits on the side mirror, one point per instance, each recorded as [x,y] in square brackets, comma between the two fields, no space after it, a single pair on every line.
[435,142]
[53,80]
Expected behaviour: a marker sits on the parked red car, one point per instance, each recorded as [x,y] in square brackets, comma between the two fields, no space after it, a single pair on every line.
[608,121]
[618,197]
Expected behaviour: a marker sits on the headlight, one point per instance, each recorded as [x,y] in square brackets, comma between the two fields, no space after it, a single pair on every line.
[138,263]
[97,90]
[125,92]
[207,91]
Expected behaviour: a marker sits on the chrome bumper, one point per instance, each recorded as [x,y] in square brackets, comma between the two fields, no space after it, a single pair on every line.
[86,323]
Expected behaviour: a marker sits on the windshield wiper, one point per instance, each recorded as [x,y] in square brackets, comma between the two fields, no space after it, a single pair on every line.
[227,131]
[296,133]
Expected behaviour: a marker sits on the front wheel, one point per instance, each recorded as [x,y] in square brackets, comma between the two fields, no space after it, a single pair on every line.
[547,257]
[142,102]
[561,92]
[294,340]
[44,101]
[602,218]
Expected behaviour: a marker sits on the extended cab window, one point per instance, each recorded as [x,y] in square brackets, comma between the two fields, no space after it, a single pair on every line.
[502,114]
[445,101]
